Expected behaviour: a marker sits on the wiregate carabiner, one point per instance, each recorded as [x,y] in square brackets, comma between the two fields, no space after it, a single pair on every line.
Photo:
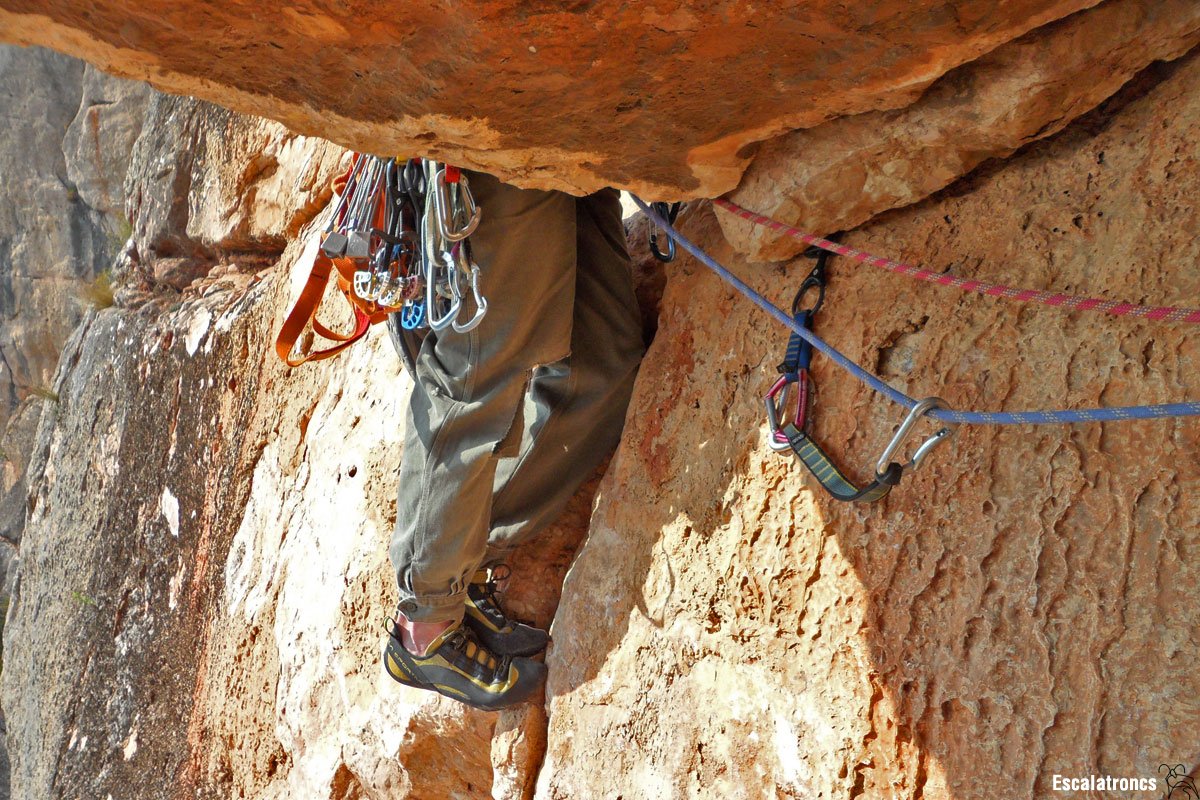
[440,323]
[481,305]
[777,440]
[413,184]
[885,463]
[467,266]
[435,253]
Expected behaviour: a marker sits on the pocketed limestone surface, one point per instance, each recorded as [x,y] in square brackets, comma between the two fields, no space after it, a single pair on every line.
[1021,607]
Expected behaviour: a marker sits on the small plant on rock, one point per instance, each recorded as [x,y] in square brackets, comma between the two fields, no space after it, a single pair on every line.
[44,392]
[99,293]
[83,599]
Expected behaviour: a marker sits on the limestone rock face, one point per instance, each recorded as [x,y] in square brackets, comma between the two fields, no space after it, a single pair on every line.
[207,187]
[67,133]
[1023,606]
[838,175]
[100,138]
[56,229]
[666,99]
[211,629]
[203,577]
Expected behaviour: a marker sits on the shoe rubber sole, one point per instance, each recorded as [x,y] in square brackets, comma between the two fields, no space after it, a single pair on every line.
[396,671]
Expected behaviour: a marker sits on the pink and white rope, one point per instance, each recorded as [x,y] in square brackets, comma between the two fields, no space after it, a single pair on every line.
[1057,299]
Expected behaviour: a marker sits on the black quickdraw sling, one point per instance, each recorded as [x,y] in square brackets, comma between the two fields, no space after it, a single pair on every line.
[669,211]
[788,432]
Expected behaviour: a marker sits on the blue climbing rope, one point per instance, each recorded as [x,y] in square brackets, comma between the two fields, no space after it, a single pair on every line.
[1060,417]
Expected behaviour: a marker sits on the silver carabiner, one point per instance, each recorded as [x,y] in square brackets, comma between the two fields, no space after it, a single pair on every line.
[432,290]
[776,439]
[448,211]
[469,209]
[918,411]
[481,305]
[433,253]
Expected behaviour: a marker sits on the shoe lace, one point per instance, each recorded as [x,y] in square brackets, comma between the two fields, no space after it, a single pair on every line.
[495,575]
[488,663]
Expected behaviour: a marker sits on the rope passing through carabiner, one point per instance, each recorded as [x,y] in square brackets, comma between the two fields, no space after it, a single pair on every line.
[792,434]
[670,211]
[1048,417]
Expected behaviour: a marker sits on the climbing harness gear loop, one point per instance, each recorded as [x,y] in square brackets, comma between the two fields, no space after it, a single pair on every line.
[918,411]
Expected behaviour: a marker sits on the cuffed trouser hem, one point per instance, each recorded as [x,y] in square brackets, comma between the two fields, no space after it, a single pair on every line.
[433,608]
[547,373]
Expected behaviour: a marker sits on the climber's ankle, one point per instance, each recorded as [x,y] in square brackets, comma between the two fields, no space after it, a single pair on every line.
[417,636]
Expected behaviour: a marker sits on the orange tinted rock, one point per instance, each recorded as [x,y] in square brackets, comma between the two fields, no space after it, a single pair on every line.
[661,98]
[207,530]
[1022,607]
[842,173]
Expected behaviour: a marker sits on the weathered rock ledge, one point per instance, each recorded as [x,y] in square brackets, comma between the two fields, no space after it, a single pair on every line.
[838,175]
[666,99]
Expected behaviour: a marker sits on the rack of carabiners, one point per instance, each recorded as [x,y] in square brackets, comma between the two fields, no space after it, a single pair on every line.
[405,225]
[397,239]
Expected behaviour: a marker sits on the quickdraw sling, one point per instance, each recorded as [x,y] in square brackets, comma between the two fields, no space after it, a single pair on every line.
[788,431]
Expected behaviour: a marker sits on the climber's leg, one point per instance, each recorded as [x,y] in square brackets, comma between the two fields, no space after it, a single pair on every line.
[470,388]
[575,407]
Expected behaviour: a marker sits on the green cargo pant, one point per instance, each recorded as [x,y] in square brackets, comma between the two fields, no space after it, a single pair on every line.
[506,421]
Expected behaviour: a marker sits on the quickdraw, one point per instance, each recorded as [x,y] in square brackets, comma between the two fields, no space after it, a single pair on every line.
[669,211]
[397,235]
[1066,416]
[788,431]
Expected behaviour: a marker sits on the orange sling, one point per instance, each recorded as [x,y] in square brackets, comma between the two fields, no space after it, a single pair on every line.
[304,312]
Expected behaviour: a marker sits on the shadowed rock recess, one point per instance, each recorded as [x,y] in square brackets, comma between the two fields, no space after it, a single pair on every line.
[203,571]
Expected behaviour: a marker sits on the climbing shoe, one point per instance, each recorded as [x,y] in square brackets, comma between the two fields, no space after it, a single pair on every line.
[459,667]
[493,627]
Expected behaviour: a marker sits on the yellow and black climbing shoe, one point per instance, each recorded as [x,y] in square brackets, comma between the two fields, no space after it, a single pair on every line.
[458,666]
[493,627]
